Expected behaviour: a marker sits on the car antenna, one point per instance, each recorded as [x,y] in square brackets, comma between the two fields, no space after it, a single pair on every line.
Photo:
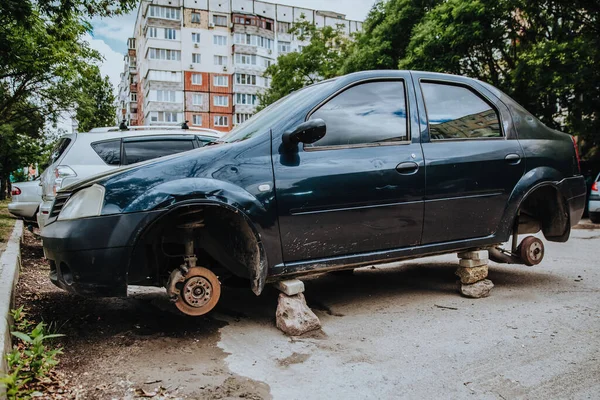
[123,126]
[185,125]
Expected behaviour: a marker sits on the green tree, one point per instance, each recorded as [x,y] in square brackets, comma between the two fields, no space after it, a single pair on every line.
[544,54]
[322,58]
[386,33]
[96,102]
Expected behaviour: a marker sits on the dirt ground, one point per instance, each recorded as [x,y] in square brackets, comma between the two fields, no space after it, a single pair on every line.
[398,331]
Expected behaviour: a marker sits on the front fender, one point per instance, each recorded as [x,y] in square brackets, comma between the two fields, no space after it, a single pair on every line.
[167,194]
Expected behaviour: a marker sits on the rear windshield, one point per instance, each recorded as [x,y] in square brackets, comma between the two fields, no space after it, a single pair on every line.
[57,151]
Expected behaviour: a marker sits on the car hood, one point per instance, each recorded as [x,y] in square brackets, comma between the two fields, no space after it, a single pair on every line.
[108,175]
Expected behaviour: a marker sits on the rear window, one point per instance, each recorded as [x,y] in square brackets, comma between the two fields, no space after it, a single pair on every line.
[57,151]
[138,151]
[109,151]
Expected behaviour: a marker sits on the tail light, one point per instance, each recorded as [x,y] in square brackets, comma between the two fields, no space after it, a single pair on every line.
[595,187]
[577,154]
[15,191]
[61,172]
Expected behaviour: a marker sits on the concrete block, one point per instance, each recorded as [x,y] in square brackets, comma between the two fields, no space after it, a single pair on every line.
[293,317]
[474,255]
[476,290]
[290,286]
[465,263]
[471,275]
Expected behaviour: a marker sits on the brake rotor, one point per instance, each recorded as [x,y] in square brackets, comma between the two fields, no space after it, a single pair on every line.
[531,250]
[199,292]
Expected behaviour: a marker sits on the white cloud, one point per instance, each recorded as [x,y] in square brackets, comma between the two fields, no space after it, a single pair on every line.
[112,65]
[117,28]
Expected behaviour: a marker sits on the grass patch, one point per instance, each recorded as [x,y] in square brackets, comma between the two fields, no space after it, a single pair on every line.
[7,221]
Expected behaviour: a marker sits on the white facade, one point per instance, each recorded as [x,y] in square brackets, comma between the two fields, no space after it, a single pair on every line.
[213,48]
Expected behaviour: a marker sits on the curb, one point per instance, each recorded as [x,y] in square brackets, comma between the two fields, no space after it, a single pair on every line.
[10,264]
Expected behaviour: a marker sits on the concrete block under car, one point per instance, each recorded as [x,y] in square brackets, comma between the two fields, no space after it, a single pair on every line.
[290,287]
[474,255]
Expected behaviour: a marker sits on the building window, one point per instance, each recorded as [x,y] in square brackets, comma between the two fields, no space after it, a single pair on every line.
[245,59]
[196,58]
[300,48]
[169,76]
[241,118]
[220,80]
[197,120]
[152,32]
[268,62]
[221,101]
[219,20]
[220,60]
[284,47]
[268,25]
[164,12]
[197,99]
[195,37]
[245,79]
[196,79]
[243,98]
[133,97]
[196,18]
[283,27]
[168,96]
[221,120]
[164,116]
[170,34]
[220,40]
[164,54]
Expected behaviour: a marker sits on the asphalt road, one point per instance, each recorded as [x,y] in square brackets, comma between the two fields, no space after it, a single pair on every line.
[398,331]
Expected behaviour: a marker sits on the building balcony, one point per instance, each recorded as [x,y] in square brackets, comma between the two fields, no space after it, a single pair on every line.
[133,87]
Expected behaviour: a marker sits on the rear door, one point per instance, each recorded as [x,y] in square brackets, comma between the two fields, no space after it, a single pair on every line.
[471,164]
[360,188]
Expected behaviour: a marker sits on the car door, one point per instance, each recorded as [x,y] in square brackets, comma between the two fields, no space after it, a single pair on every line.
[471,165]
[360,188]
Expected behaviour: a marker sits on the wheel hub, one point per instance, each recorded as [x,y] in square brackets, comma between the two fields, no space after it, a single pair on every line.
[197,291]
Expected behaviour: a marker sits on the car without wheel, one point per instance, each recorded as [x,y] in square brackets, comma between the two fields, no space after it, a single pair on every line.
[368,168]
[78,156]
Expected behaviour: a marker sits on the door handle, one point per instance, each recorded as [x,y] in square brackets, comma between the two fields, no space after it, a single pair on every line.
[407,168]
[513,159]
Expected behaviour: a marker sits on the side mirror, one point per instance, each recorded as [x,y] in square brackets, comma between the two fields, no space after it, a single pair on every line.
[307,132]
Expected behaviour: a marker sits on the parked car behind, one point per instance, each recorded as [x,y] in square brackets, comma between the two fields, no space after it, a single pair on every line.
[594,204]
[368,168]
[26,198]
[80,155]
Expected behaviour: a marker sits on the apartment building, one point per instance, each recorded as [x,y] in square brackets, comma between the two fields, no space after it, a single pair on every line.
[127,101]
[203,60]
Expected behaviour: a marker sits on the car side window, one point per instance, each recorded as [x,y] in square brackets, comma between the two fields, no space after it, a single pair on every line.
[371,113]
[455,112]
[138,151]
[109,151]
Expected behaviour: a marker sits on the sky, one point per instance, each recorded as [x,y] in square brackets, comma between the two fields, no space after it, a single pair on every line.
[110,35]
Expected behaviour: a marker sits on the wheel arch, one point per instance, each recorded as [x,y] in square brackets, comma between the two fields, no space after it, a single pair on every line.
[538,197]
[254,256]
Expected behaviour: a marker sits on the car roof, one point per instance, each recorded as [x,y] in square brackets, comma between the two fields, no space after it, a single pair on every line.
[140,131]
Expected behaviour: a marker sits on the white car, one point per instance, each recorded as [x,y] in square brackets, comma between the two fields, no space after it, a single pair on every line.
[80,155]
[26,198]
[594,205]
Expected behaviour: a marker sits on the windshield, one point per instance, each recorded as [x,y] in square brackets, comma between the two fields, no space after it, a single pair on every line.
[266,117]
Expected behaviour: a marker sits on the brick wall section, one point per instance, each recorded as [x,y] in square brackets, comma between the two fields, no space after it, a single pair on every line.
[219,109]
[188,85]
[189,116]
[187,19]
[221,89]
[221,128]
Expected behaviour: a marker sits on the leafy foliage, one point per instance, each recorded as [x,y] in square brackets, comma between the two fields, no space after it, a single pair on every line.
[320,59]
[545,54]
[95,106]
[31,360]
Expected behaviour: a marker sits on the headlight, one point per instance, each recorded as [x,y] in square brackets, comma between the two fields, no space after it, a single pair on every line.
[84,203]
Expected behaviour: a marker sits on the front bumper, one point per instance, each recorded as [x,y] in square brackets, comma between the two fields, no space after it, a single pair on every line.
[91,256]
